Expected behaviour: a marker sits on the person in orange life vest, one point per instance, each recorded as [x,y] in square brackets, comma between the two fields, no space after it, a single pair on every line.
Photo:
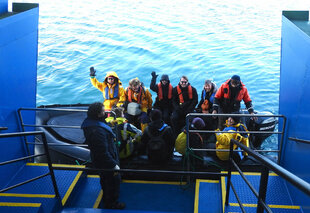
[163,101]
[138,103]
[207,97]
[111,88]
[184,100]
[206,105]
[228,98]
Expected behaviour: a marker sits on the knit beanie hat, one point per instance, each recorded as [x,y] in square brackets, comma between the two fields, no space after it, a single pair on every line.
[236,118]
[155,115]
[164,77]
[198,123]
[236,78]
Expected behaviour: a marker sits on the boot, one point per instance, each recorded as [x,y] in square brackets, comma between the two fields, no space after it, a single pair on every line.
[116,205]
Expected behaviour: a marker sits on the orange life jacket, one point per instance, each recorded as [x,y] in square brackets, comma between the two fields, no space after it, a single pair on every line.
[205,105]
[190,93]
[130,94]
[160,91]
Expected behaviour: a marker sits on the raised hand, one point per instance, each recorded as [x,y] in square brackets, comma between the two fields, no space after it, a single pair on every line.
[92,72]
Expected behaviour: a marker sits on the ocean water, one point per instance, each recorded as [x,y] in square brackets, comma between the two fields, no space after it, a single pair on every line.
[202,39]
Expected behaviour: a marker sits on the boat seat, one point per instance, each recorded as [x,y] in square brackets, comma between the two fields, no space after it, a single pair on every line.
[72,135]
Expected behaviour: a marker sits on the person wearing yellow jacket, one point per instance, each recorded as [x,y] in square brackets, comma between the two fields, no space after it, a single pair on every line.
[138,103]
[127,135]
[223,139]
[111,88]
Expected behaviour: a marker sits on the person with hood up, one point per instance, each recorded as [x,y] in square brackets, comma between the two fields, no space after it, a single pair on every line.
[233,126]
[104,154]
[158,139]
[163,101]
[111,88]
[228,98]
[138,103]
[127,134]
[184,100]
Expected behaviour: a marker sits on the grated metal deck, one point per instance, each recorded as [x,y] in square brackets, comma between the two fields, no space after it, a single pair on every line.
[277,197]
[37,195]
[208,196]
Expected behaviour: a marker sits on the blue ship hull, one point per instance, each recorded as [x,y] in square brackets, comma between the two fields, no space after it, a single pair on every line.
[76,191]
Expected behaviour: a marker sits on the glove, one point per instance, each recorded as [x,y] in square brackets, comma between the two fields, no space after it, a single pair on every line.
[92,72]
[154,74]
[116,167]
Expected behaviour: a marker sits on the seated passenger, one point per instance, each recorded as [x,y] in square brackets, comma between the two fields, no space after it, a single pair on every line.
[111,88]
[163,101]
[206,106]
[127,135]
[228,98]
[158,139]
[223,139]
[195,138]
[138,103]
[185,99]
[207,97]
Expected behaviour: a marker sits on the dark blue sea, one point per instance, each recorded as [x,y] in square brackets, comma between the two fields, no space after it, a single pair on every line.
[202,39]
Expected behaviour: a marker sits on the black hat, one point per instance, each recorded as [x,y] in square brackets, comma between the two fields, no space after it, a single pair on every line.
[164,77]
[236,118]
[155,115]
[236,78]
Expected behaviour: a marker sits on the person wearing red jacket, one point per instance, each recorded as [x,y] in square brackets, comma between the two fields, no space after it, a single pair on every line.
[228,97]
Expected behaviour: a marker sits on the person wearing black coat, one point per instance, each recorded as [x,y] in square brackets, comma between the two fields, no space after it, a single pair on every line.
[163,101]
[185,98]
[155,128]
[104,154]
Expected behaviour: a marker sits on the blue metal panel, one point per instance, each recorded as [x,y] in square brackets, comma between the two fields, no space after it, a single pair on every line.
[18,65]
[294,101]
[3,6]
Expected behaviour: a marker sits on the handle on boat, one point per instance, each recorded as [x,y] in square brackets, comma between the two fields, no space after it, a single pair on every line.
[299,140]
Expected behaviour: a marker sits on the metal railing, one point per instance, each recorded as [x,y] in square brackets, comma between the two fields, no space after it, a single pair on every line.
[267,166]
[299,140]
[3,128]
[267,163]
[192,115]
[47,109]
[51,171]
[64,110]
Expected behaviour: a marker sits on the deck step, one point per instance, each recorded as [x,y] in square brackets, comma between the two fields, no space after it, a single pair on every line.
[154,196]
[91,210]
[157,196]
[86,194]
[20,207]
[39,192]
[277,197]
[208,196]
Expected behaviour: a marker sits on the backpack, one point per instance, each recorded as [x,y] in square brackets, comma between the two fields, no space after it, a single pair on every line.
[180,143]
[156,147]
